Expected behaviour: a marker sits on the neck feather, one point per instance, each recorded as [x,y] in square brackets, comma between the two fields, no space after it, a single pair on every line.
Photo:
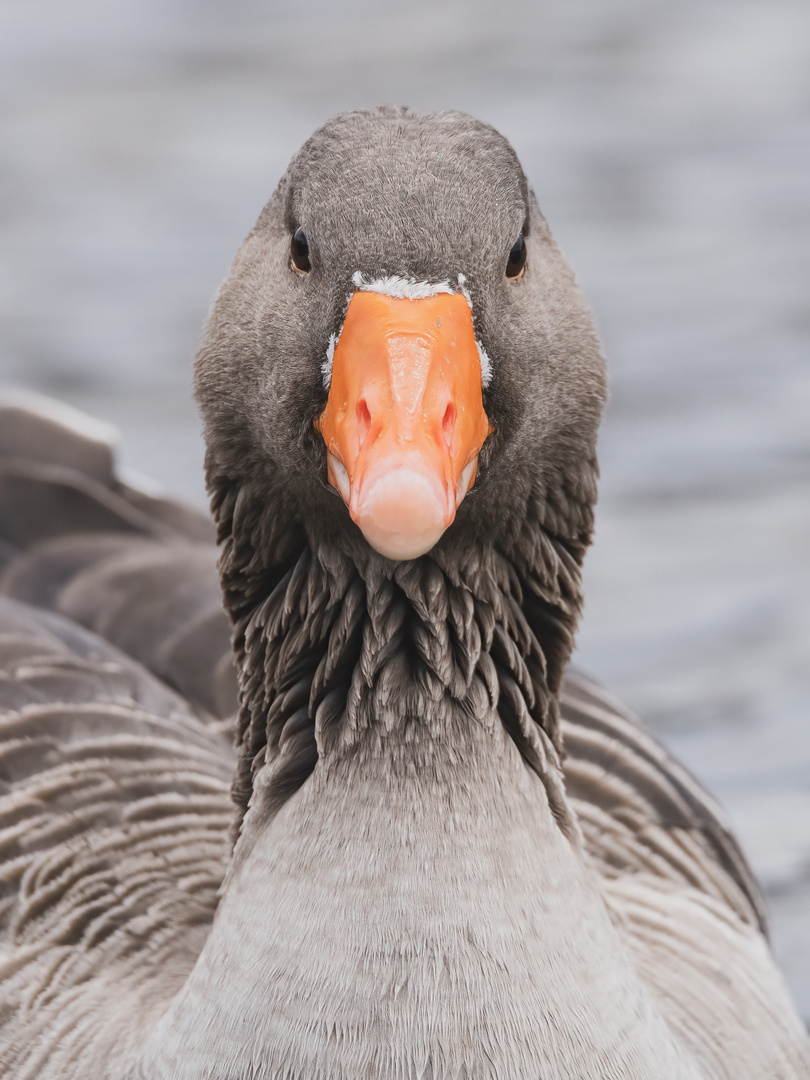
[335,646]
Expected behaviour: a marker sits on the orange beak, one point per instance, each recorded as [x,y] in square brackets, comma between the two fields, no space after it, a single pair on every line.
[404,421]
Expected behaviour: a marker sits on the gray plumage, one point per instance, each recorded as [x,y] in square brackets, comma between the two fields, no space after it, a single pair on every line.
[452,858]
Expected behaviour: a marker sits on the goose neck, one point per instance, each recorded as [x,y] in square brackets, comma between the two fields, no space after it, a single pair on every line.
[410,661]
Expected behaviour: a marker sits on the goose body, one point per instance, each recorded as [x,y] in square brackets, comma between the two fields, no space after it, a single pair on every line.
[434,851]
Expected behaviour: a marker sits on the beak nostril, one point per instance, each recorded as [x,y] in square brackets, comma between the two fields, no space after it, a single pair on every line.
[363,420]
[449,424]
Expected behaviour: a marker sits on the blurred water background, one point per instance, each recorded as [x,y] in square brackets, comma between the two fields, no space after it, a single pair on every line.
[669,144]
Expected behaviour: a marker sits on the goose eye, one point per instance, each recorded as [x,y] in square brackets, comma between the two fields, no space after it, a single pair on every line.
[516,263]
[299,250]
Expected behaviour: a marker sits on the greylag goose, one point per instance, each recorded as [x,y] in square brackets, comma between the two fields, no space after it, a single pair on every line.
[434,851]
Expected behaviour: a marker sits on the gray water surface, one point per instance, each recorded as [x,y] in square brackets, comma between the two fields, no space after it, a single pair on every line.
[669,145]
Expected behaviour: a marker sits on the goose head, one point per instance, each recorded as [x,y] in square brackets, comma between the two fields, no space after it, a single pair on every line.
[400,386]
[399,361]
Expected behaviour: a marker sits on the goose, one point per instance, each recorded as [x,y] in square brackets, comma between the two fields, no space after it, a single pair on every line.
[355,815]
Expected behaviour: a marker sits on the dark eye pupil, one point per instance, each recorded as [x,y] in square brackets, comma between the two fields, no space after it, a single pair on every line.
[517,258]
[299,249]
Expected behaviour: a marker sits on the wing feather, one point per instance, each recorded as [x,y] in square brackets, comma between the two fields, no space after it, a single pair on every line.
[114,816]
[641,810]
[137,569]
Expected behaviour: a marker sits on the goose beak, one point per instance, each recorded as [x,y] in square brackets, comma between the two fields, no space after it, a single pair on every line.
[404,420]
